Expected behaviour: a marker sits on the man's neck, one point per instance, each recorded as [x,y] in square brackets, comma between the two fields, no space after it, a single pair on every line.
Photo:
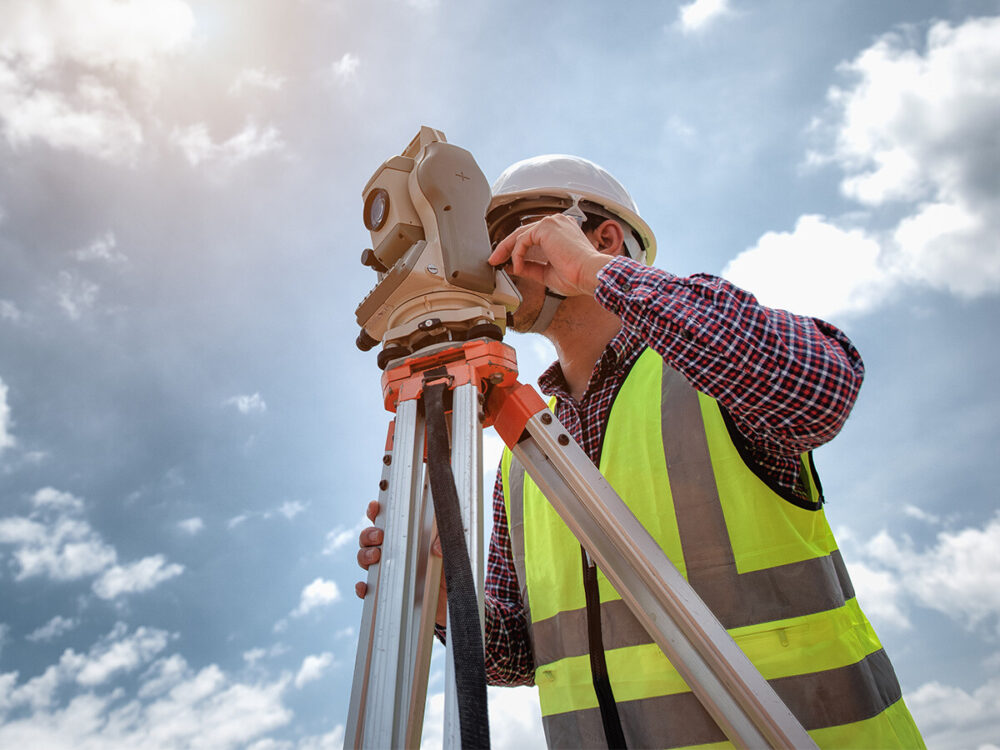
[580,335]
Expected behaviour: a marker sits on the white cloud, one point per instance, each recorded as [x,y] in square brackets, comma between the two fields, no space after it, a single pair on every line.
[67,70]
[6,438]
[699,14]
[76,295]
[951,246]
[247,404]
[340,536]
[817,269]
[101,249]
[91,119]
[257,78]
[345,69]
[102,33]
[50,497]
[191,525]
[51,630]
[136,577]
[313,668]
[920,125]
[250,143]
[332,740]
[319,593]
[74,704]
[914,136]
[10,311]
[515,719]
[959,576]
[950,717]
[348,632]
[880,594]
[291,508]
[118,651]
[254,655]
[920,514]
[163,675]
[55,541]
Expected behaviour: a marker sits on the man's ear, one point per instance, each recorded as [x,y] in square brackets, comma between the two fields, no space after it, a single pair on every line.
[610,238]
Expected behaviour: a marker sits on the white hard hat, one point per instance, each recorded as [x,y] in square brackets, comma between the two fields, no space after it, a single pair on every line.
[570,179]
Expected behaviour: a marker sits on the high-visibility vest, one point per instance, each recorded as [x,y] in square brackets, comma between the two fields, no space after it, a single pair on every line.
[764,561]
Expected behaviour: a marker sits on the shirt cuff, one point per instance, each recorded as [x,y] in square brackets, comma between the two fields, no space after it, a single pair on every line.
[618,279]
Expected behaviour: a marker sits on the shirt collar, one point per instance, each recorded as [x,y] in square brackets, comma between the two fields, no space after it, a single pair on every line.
[620,349]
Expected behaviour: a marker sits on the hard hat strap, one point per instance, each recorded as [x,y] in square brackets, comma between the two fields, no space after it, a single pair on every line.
[548,311]
[633,248]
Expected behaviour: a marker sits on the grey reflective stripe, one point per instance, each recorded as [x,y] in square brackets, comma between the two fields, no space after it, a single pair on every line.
[819,699]
[565,634]
[737,599]
[515,529]
[795,586]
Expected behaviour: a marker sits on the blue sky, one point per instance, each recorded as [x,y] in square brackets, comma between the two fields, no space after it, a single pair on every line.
[188,436]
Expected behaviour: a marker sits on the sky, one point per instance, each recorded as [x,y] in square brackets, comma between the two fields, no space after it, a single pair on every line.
[188,435]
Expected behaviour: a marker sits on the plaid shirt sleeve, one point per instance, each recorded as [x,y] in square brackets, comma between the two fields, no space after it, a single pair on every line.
[788,381]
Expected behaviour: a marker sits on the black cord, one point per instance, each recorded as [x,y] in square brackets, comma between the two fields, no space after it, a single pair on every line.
[613,733]
[465,637]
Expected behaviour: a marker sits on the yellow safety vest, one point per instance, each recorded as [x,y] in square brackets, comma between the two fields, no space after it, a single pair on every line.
[765,562]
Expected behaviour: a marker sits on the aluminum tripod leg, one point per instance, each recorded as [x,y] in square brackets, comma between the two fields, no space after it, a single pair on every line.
[394,645]
[728,685]
[386,681]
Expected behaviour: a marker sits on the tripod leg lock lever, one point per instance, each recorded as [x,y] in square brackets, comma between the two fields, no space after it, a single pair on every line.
[513,408]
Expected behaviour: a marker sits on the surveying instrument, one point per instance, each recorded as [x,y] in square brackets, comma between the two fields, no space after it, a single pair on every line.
[439,311]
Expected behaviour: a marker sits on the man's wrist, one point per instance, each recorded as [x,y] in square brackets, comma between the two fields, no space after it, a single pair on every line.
[591,276]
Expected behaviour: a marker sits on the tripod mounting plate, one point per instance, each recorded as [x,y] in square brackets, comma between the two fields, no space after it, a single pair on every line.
[483,362]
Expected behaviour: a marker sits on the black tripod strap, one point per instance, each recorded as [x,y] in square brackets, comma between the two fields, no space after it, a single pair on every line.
[598,666]
[465,637]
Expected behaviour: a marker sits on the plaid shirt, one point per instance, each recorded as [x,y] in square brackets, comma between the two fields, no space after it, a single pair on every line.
[788,382]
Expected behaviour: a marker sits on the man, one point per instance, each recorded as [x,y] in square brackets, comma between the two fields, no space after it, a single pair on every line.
[701,408]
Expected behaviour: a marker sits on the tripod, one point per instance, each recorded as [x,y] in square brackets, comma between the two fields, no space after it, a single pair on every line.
[390,677]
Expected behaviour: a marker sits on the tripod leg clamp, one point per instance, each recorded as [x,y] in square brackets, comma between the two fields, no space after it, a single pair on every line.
[513,408]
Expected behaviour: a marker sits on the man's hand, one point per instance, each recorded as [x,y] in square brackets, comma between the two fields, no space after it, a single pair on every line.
[370,552]
[555,252]
[370,542]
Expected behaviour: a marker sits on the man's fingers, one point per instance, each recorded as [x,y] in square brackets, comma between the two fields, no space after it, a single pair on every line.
[361,588]
[501,254]
[526,257]
[373,509]
[369,556]
[370,537]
